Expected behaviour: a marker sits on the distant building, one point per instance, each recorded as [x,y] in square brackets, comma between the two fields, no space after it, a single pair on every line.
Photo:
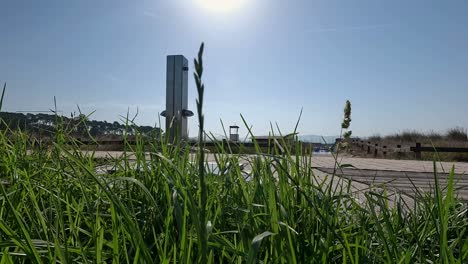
[265,140]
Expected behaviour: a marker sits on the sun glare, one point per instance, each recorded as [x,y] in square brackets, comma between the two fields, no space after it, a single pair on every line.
[221,6]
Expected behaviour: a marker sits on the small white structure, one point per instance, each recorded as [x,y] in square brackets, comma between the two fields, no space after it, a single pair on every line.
[234,133]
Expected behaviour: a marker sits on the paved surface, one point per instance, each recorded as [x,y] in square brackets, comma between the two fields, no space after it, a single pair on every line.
[407,177]
[390,165]
[396,176]
[358,189]
[327,161]
[409,183]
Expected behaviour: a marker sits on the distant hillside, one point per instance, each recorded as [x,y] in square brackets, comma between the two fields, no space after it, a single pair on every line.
[80,126]
[318,139]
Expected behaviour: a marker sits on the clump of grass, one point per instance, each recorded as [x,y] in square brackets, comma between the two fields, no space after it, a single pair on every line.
[457,134]
[406,136]
[434,136]
[161,204]
[374,138]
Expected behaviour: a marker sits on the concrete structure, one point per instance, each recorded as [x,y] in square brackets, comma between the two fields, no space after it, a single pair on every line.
[234,133]
[267,140]
[176,112]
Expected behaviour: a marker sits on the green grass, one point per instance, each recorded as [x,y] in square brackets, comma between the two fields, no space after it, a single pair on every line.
[166,207]
[454,137]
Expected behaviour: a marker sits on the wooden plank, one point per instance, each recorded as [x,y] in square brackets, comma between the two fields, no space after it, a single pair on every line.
[439,149]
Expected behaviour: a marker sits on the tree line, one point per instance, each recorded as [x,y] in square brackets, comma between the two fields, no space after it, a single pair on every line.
[79,126]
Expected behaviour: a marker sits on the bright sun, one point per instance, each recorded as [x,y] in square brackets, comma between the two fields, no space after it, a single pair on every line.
[221,6]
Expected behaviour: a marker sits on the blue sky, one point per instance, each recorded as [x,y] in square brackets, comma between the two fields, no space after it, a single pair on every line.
[403,64]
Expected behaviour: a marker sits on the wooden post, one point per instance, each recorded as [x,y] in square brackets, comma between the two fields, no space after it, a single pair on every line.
[368,147]
[417,151]
[375,150]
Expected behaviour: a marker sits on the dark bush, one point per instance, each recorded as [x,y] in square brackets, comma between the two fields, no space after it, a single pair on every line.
[457,133]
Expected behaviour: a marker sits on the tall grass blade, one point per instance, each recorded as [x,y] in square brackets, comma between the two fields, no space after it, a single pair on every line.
[3,95]
[201,156]
[255,245]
